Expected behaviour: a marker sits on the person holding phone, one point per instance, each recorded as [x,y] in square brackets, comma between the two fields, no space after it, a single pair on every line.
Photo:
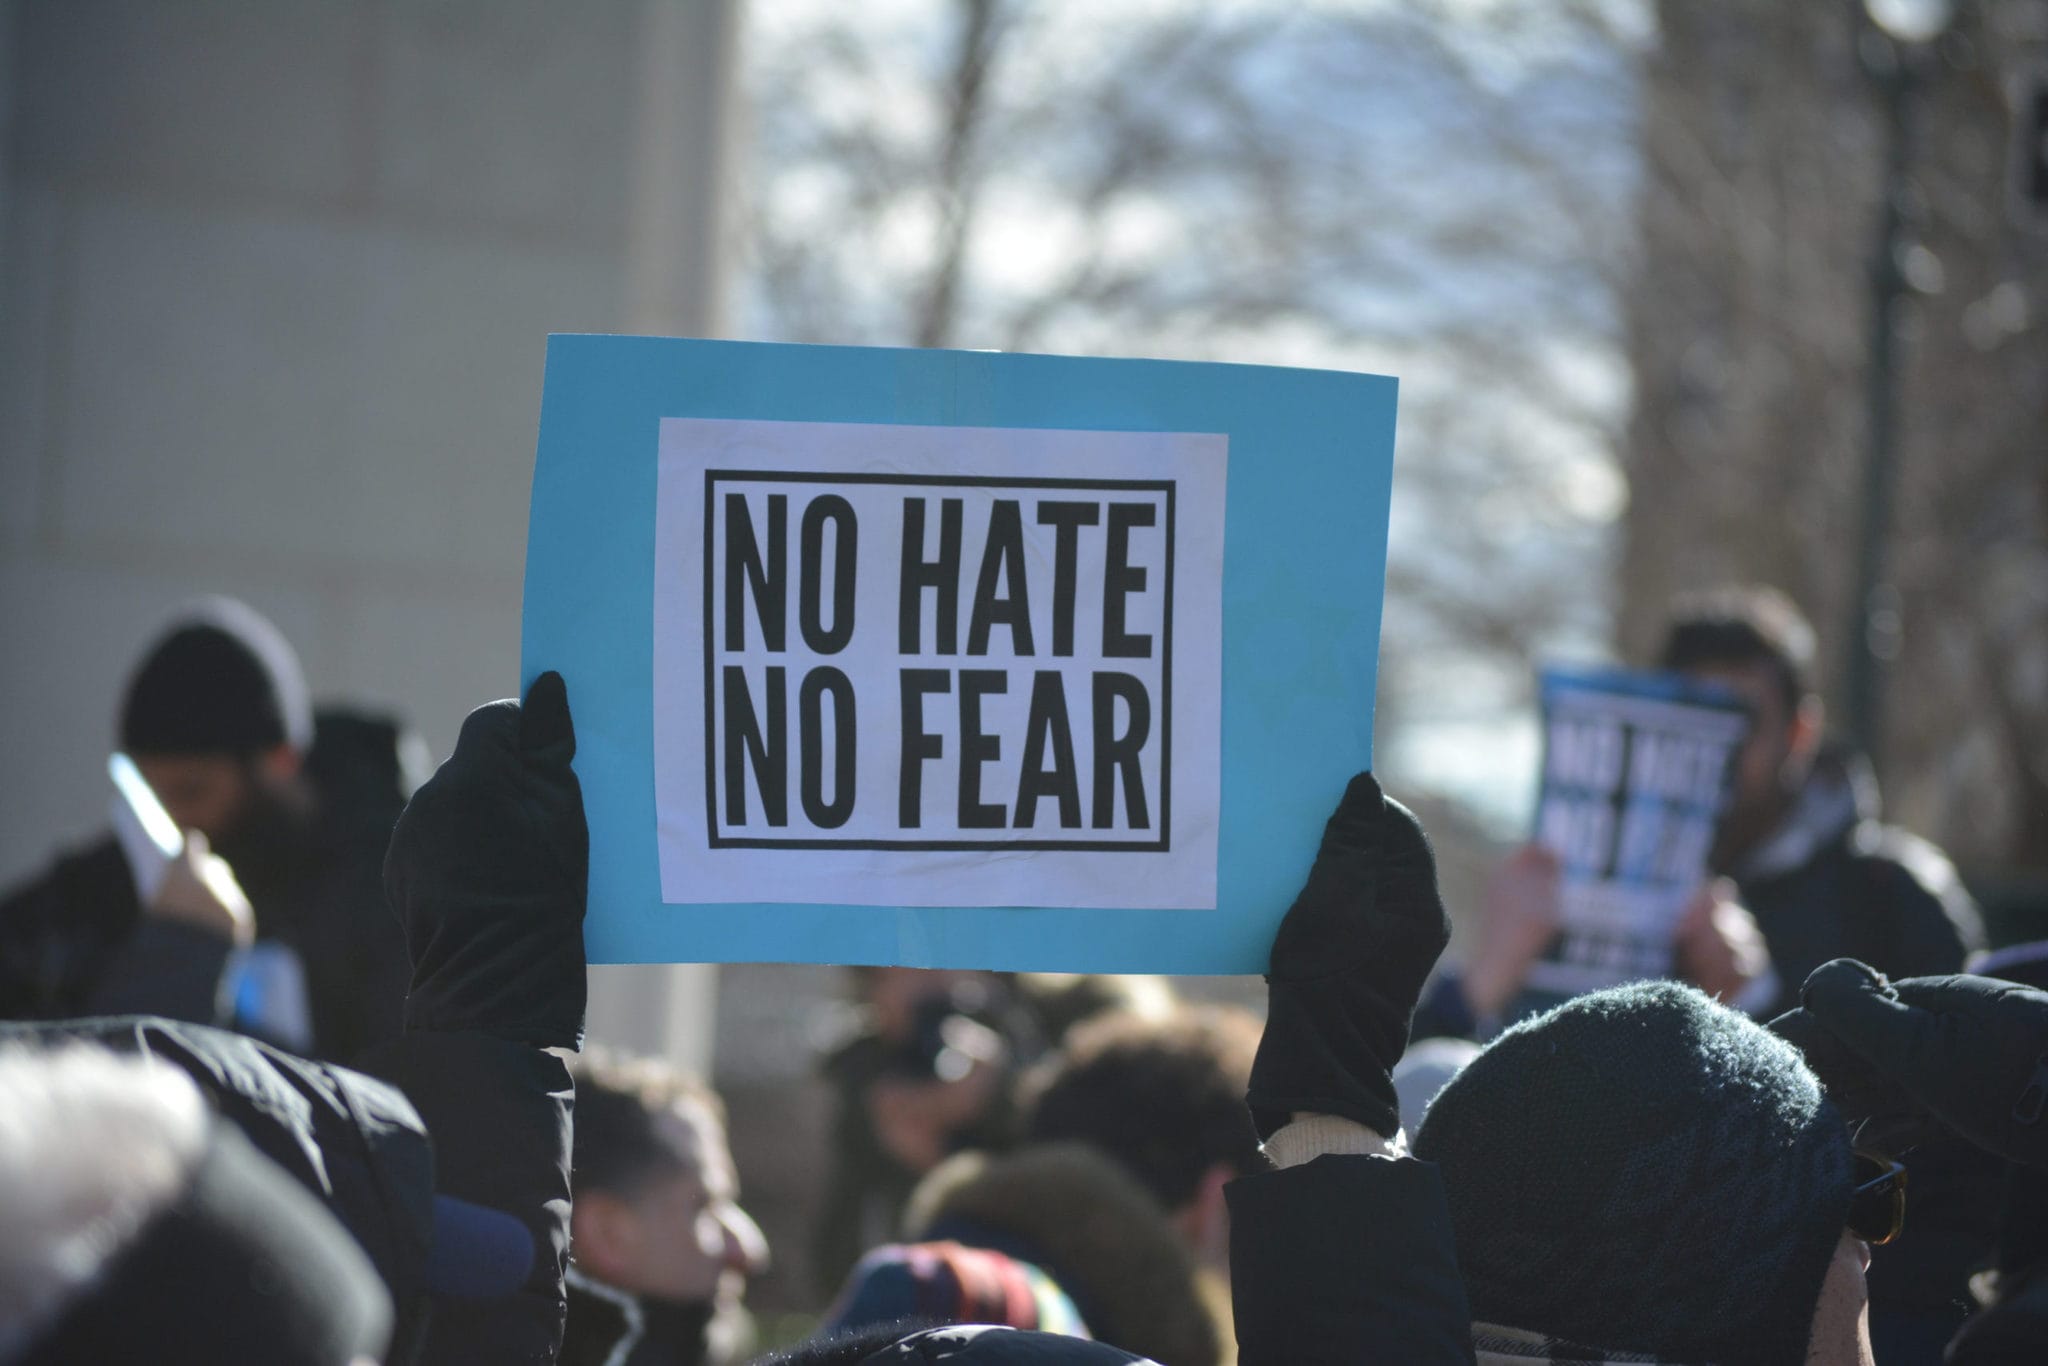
[296,946]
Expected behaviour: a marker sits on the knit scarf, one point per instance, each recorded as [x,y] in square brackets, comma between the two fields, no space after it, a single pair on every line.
[1497,1346]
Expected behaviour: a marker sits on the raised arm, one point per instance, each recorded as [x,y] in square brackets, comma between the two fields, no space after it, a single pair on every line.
[487,870]
[1344,1254]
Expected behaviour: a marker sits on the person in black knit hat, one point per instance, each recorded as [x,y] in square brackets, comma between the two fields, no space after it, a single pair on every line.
[217,719]
[1642,1170]
[1638,1176]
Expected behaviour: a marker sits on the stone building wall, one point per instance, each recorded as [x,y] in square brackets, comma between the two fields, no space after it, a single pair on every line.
[275,287]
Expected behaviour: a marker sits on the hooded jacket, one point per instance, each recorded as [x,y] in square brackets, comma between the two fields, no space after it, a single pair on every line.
[1347,1261]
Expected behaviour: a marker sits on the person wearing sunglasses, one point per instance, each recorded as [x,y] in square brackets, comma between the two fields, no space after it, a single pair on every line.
[1912,1061]
[1640,1175]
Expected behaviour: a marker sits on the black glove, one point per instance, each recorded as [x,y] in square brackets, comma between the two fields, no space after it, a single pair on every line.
[1972,1052]
[488,870]
[1348,965]
[1879,1111]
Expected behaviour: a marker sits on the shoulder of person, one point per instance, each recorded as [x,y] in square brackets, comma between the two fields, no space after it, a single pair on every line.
[1904,860]
[1913,881]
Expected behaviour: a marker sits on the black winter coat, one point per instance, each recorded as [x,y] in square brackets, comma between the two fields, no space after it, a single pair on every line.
[1346,1261]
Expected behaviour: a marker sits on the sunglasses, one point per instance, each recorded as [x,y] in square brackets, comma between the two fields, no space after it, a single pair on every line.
[1877,1202]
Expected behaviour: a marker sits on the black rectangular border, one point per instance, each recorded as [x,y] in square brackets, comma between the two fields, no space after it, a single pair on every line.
[1164,844]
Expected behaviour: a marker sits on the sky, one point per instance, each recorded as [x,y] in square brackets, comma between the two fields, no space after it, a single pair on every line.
[1470,731]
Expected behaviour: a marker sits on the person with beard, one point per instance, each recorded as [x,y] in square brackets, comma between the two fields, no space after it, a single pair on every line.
[1824,878]
[176,1193]
[1803,871]
[662,1249]
[1800,838]
[217,719]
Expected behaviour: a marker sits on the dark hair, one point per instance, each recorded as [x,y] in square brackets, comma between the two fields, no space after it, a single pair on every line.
[1164,1097]
[618,1145]
[1742,625]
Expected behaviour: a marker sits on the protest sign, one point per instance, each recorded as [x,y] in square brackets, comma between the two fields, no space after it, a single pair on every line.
[1636,769]
[937,658]
[954,655]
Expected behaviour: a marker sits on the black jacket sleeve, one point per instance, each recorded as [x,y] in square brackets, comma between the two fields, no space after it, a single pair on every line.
[75,943]
[1346,1261]
[499,1112]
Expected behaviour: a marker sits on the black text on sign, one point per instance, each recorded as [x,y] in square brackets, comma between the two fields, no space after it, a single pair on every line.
[925,662]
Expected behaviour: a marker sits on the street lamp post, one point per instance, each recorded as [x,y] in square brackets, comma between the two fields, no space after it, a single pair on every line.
[1894,60]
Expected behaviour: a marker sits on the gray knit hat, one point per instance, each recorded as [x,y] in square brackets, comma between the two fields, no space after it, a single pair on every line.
[1642,1170]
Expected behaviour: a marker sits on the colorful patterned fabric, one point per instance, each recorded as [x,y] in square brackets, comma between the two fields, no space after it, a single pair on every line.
[949,1282]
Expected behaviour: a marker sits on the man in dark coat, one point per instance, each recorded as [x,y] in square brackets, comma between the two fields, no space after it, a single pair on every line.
[469,1232]
[1823,878]
[217,719]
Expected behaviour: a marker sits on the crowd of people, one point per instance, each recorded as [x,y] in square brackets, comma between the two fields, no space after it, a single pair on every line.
[317,1093]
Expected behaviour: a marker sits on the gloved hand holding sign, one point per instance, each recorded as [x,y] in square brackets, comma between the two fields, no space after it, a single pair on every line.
[488,870]
[1348,966]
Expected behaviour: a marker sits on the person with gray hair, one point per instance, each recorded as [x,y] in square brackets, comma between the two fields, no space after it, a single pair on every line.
[137,1226]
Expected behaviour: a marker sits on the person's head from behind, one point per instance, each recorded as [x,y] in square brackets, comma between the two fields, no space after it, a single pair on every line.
[134,1226]
[1164,1097]
[1642,1170]
[217,718]
[1754,642]
[656,1209]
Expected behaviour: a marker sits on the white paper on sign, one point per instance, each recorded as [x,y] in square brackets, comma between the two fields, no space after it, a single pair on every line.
[937,666]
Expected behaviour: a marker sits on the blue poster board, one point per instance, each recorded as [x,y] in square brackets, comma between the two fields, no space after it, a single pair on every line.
[1637,770]
[1298,550]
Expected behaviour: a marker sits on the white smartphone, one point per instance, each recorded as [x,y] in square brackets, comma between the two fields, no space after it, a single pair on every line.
[149,838]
